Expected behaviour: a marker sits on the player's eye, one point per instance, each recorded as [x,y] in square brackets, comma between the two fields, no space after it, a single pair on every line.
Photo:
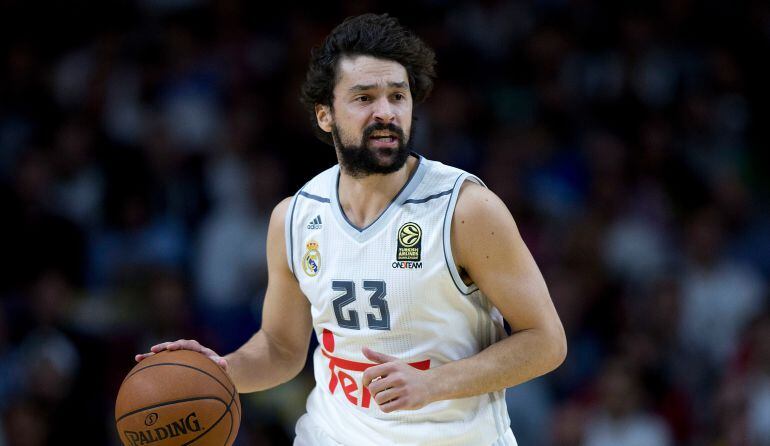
[362,98]
[399,96]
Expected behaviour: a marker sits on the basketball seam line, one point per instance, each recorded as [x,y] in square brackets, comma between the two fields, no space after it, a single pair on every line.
[221,417]
[227,410]
[237,406]
[166,403]
[230,432]
[210,427]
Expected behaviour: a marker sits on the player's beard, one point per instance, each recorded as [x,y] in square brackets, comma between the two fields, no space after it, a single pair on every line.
[361,160]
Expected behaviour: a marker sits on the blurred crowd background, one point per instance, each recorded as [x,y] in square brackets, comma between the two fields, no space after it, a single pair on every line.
[144,143]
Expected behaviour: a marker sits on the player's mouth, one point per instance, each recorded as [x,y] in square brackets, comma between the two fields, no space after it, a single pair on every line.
[383,140]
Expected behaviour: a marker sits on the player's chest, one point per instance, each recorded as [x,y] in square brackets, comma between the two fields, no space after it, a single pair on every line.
[402,258]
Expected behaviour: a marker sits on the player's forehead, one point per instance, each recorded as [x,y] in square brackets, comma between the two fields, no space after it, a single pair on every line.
[359,70]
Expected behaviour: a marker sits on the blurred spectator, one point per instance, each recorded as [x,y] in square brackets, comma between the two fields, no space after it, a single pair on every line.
[230,262]
[11,369]
[25,425]
[189,97]
[621,419]
[79,186]
[720,296]
[758,382]
[137,236]
[530,408]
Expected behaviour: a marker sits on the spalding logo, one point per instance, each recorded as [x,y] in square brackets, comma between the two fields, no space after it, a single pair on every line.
[151,419]
[183,426]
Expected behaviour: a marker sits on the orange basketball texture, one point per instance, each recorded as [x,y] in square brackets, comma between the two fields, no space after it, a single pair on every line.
[177,398]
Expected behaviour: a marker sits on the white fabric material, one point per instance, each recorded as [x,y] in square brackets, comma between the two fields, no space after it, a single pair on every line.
[416,310]
[309,434]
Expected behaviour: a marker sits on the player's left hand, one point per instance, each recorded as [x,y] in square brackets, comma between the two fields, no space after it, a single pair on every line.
[394,384]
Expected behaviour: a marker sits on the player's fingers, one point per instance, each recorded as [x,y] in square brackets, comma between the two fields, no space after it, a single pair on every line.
[386,396]
[378,371]
[377,357]
[179,344]
[214,356]
[378,385]
[142,356]
[192,344]
[222,362]
[390,406]
[159,347]
[184,344]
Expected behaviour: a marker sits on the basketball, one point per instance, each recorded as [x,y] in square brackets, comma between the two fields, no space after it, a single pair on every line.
[177,398]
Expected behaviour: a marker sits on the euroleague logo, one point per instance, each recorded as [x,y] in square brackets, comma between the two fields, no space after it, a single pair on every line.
[409,235]
[409,240]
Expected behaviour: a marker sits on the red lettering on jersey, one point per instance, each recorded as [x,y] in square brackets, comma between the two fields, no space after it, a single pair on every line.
[366,397]
[348,384]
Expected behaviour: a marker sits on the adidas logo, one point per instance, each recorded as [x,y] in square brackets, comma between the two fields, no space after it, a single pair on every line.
[315,223]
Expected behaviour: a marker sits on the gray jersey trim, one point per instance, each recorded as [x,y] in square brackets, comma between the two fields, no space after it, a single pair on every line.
[314,197]
[447,240]
[289,232]
[428,198]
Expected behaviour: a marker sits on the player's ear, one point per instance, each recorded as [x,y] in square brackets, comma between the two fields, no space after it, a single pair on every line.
[323,115]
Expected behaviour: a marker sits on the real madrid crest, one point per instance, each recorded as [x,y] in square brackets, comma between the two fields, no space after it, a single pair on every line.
[311,262]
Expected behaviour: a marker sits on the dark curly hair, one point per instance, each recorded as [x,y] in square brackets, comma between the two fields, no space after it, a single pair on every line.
[374,35]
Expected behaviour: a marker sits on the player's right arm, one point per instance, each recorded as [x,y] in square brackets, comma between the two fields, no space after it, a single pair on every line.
[277,352]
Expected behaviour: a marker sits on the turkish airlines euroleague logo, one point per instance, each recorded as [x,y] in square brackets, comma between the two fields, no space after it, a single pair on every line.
[409,239]
[353,389]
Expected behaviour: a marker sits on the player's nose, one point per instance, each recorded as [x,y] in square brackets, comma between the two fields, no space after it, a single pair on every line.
[383,111]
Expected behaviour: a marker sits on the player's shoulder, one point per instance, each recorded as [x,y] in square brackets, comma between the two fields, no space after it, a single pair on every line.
[476,202]
[278,216]
[280,209]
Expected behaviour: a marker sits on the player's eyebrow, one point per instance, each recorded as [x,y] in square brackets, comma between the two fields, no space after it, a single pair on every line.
[398,85]
[360,87]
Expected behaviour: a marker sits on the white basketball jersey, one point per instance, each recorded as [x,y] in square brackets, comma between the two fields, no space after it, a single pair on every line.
[392,286]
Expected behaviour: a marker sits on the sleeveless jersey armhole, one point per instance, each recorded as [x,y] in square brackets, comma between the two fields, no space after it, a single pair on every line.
[289,232]
[447,233]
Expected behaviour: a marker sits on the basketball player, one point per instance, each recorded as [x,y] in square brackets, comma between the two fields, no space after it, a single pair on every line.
[403,267]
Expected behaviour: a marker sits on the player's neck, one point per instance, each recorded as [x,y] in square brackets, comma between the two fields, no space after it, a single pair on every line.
[364,199]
